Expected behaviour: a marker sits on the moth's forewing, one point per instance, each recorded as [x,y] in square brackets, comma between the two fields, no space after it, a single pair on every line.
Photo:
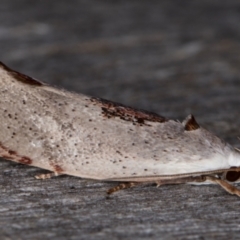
[93,138]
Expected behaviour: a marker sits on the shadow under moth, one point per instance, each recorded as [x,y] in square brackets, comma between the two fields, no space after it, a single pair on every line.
[89,137]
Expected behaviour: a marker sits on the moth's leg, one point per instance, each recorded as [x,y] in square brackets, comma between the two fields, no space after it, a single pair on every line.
[123,186]
[47,175]
[228,187]
[159,183]
[180,180]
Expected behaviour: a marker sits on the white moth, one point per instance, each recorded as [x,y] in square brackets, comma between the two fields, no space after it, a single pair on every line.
[92,138]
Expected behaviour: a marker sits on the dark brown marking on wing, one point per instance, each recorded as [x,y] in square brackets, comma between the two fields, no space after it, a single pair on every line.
[191,124]
[21,77]
[13,155]
[137,116]
[3,147]
[8,157]
[25,160]
[57,168]
[11,152]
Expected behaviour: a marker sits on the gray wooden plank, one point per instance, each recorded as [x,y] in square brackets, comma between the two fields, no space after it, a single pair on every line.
[172,57]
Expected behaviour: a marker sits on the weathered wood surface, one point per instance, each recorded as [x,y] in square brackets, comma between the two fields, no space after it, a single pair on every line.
[172,57]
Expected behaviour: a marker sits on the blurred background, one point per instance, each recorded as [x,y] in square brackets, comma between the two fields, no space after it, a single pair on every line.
[170,57]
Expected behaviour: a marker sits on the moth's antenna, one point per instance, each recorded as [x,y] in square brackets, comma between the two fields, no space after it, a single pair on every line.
[237,149]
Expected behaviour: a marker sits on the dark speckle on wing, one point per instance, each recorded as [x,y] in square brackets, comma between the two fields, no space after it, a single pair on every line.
[112,109]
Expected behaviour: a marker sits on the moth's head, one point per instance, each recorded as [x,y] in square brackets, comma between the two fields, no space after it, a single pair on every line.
[231,175]
[234,162]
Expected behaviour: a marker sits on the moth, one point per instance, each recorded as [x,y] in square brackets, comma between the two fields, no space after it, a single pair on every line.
[93,138]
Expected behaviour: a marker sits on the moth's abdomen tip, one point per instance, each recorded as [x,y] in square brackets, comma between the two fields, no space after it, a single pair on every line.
[190,123]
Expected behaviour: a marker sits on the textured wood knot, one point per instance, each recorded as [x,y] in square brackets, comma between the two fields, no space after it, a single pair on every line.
[190,123]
